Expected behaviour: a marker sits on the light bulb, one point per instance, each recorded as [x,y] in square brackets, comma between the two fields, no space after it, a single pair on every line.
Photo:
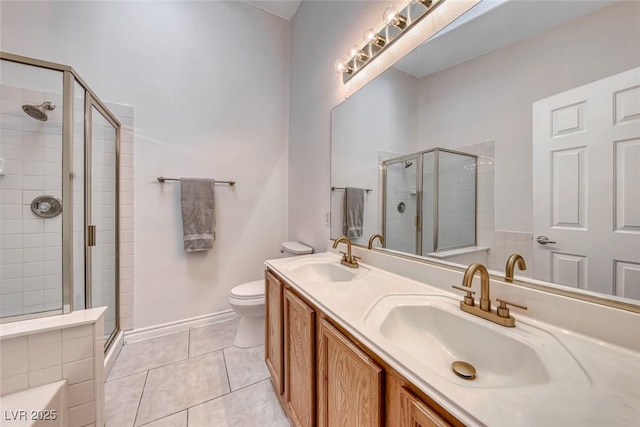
[355,52]
[369,35]
[390,14]
[341,67]
[352,51]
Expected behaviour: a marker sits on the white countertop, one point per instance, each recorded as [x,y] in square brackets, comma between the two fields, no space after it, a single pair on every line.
[608,395]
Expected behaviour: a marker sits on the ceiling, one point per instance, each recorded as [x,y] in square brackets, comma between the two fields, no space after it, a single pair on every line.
[285,9]
[489,26]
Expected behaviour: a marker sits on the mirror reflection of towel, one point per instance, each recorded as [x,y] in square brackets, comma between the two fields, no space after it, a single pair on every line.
[353,212]
[198,213]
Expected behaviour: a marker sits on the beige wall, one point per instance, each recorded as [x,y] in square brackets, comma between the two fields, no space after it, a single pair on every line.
[210,85]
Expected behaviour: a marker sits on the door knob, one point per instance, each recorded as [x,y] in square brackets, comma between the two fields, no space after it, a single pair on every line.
[543,240]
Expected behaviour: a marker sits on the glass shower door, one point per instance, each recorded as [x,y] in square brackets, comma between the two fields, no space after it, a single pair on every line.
[456,200]
[401,204]
[102,219]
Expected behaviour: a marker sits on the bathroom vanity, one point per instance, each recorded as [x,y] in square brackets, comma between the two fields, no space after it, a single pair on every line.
[367,347]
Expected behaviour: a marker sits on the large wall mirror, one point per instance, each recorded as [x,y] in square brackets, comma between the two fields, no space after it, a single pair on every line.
[532,110]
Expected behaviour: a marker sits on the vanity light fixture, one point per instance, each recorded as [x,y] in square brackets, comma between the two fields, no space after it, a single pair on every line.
[396,23]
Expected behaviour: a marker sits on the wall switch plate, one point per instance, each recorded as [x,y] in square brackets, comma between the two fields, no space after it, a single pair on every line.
[327,219]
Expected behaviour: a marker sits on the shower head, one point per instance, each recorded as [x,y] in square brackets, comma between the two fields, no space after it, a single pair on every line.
[407,164]
[38,111]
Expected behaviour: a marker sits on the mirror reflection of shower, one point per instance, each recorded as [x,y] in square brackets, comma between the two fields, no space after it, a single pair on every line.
[39,112]
[430,207]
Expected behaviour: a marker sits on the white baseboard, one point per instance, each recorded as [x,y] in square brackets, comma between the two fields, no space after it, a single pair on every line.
[177,326]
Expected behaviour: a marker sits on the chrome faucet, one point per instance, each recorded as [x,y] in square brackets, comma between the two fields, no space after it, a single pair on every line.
[347,259]
[501,316]
[511,264]
[373,238]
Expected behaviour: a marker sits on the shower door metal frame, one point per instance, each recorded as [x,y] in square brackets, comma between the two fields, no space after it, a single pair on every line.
[68,77]
[438,150]
[90,103]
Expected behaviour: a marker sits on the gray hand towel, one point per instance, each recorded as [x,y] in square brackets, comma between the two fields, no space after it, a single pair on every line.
[198,213]
[353,212]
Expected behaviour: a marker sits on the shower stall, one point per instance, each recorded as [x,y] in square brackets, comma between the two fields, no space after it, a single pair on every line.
[59,158]
[429,201]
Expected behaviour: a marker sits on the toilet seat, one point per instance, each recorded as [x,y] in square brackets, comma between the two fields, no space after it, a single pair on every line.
[249,290]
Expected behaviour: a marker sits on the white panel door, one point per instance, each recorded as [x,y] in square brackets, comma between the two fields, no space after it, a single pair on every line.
[586,186]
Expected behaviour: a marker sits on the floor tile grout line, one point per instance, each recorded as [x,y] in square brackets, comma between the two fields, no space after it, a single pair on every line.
[206,353]
[140,400]
[226,394]
[159,366]
[166,416]
[173,363]
[252,384]
[168,364]
[226,370]
[189,345]
[142,370]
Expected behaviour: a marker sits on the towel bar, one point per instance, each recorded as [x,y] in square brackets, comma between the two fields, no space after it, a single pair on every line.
[162,179]
[342,188]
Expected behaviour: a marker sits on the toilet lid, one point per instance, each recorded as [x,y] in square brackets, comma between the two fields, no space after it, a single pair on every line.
[296,248]
[249,290]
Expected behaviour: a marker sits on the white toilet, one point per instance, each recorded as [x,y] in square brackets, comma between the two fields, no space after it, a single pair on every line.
[248,299]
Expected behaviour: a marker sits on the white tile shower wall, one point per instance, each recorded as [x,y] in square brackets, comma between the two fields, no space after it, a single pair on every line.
[31,247]
[73,353]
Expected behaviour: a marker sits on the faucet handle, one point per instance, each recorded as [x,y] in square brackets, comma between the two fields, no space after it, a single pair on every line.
[468,298]
[503,311]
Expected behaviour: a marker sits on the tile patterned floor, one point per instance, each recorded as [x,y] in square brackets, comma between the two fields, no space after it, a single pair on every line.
[195,378]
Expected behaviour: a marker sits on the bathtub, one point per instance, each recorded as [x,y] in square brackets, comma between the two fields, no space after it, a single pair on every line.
[43,406]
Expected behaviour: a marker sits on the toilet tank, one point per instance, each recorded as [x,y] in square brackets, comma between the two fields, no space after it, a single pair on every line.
[295,248]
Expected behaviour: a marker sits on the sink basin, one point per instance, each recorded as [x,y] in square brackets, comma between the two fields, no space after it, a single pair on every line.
[434,332]
[324,270]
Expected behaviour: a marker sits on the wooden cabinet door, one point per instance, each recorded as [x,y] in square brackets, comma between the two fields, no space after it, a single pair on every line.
[299,339]
[414,413]
[350,383]
[274,356]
